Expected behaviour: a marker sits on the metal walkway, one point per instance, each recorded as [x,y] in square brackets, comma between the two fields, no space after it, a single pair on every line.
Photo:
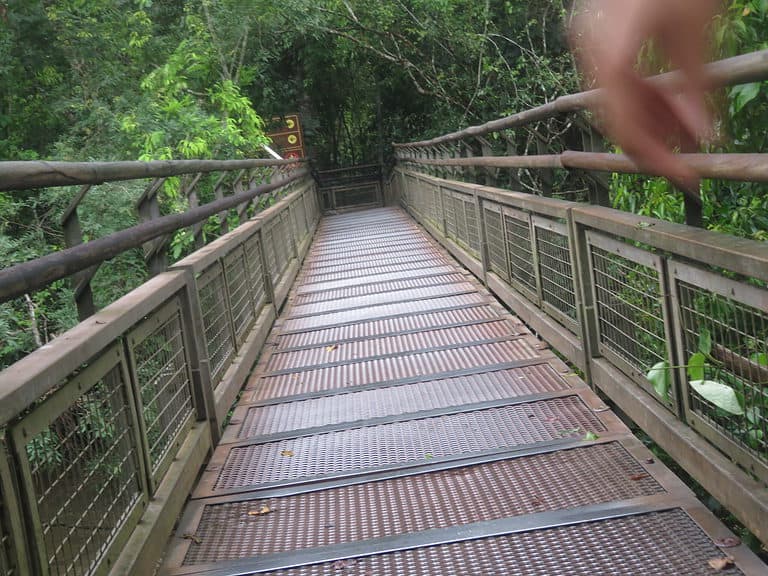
[401,421]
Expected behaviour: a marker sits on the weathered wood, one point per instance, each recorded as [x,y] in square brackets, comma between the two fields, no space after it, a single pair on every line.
[731,71]
[740,365]
[33,275]
[38,174]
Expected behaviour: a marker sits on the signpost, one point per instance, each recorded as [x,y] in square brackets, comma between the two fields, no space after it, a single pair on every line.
[287,137]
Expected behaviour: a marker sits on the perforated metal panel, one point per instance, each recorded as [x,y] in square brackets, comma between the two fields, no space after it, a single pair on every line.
[393,368]
[377,288]
[396,246]
[378,299]
[470,389]
[310,287]
[410,441]
[354,261]
[437,500]
[382,311]
[374,270]
[400,324]
[625,546]
[391,345]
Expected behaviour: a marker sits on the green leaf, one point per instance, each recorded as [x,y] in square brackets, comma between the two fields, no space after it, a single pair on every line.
[755,438]
[754,415]
[659,377]
[696,365]
[717,393]
[591,436]
[760,358]
[705,342]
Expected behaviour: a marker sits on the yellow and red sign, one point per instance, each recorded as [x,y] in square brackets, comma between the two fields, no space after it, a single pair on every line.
[287,137]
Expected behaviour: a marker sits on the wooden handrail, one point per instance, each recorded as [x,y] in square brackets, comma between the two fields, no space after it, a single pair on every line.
[731,71]
[35,274]
[38,174]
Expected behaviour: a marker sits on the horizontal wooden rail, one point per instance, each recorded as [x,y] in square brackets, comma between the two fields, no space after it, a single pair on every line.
[30,175]
[29,276]
[731,71]
[741,167]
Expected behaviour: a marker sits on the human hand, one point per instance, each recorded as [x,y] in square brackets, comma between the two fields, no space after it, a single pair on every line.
[647,120]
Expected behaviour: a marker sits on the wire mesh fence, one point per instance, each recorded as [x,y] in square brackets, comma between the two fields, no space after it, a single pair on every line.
[517,228]
[497,254]
[558,289]
[241,304]
[162,370]
[80,457]
[217,327]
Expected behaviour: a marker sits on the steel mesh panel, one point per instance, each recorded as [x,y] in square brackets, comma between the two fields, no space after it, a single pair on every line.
[378,288]
[162,373]
[473,230]
[629,309]
[556,271]
[520,252]
[739,359]
[373,271]
[240,302]
[386,326]
[435,213]
[281,246]
[390,345]
[301,219]
[289,233]
[372,300]
[259,420]
[336,249]
[216,322]
[394,246]
[309,288]
[383,310]
[461,219]
[394,368]
[450,215]
[497,256]
[502,489]
[255,270]
[269,254]
[85,476]
[411,441]
[619,547]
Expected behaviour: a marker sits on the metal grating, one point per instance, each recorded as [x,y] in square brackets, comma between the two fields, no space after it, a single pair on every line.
[289,233]
[309,288]
[385,247]
[377,299]
[378,288]
[8,565]
[301,219]
[520,252]
[240,302]
[618,547]
[162,373]
[461,218]
[629,300]
[473,229]
[362,262]
[382,311]
[255,268]
[470,389]
[393,368]
[383,327]
[83,470]
[494,232]
[450,215]
[269,254]
[282,248]
[737,357]
[401,442]
[374,271]
[391,345]
[503,489]
[216,321]
[556,271]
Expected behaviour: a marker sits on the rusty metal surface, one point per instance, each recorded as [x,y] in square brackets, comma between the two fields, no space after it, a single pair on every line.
[402,422]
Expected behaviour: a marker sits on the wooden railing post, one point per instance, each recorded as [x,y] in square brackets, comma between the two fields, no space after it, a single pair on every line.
[73,236]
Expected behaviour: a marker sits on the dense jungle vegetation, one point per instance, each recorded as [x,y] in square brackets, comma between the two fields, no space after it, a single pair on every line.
[158,79]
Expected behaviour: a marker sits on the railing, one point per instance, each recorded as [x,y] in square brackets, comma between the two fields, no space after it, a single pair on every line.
[669,321]
[105,429]
[353,187]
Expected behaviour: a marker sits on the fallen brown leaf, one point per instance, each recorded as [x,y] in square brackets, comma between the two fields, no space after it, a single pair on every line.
[331,348]
[286,453]
[721,563]
[261,511]
[194,538]
[636,477]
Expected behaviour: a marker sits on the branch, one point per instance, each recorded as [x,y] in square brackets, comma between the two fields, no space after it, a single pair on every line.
[33,321]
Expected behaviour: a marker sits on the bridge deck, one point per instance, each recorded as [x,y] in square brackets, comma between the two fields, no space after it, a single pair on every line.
[401,421]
